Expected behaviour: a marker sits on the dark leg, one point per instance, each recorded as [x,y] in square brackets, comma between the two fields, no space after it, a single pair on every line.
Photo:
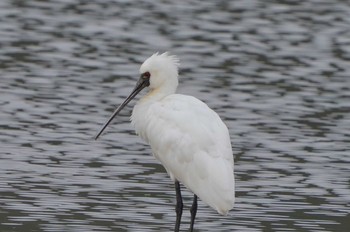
[179,206]
[193,211]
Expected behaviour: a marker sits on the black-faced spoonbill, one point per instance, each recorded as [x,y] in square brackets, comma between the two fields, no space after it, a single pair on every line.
[186,136]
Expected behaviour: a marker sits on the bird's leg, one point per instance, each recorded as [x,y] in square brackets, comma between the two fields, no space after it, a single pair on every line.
[179,206]
[193,212]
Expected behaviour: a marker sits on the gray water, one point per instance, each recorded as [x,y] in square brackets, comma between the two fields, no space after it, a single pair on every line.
[277,72]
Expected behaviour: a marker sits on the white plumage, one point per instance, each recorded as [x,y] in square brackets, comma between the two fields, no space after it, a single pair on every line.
[186,136]
[192,143]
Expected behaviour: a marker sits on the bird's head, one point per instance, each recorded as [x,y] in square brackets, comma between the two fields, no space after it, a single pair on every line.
[161,70]
[158,72]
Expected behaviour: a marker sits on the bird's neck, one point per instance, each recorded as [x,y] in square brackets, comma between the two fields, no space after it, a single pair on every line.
[158,93]
[141,113]
[140,118]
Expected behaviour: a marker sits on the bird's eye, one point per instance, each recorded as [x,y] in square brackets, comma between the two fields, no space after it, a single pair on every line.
[146,75]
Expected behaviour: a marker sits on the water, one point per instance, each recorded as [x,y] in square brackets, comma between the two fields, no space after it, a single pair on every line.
[276,71]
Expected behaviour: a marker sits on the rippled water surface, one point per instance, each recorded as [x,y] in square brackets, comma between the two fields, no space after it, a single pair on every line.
[276,71]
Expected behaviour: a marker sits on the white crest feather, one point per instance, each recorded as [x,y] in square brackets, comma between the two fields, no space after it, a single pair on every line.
[172,58]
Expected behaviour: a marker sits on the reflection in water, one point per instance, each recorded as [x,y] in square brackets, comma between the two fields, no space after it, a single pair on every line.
[277,73]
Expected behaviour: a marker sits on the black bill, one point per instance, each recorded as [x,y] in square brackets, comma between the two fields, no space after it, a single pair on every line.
[141,84]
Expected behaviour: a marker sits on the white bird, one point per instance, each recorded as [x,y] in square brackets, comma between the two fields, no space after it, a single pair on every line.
[186,136]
